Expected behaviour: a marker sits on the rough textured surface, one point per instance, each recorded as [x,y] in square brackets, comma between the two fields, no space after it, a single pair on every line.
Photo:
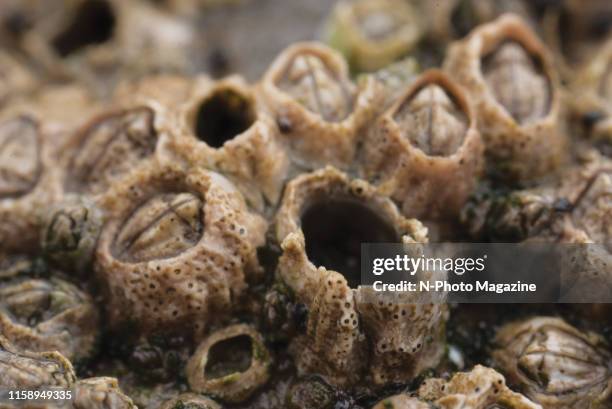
[100,393]
[191,401]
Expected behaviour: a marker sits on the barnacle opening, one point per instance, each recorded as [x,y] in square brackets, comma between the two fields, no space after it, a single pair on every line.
[518,81]
[334,230]
[228,356]
[223,115]
[93,23]
[463,18]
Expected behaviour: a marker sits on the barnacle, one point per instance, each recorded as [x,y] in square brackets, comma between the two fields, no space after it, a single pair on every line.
[310,393]
[30,370]
[555,364]
[425,151]
[48,315]
[509,76]
[372,34]
[230,363]
[100,393]
[191,401]
[401,401]
[15,79]
[481,388]
[180,244]
[318,110]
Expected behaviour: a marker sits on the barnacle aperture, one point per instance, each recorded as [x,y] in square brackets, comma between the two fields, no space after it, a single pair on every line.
[20,162]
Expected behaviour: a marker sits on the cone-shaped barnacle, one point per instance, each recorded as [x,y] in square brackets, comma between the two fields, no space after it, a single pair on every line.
[100,393]
[401,401]
[322,271]
[372,34]
[318,110]
[425,151]
[178,246]
[510,78]
[230,364]
[223,126]
[48,315]
[556,364]
[30,370]
[481,388]
[191,401]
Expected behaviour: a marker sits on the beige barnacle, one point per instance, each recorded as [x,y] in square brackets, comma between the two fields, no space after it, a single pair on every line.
[401,401]
[231,364]
[100,393]
[555,364]
[319,112]
[372,34]
[426,151]
[509,76]
[191,401]
[222,126]
[30,370]
[48,315]
[481,388]
[177,249]
[15,79]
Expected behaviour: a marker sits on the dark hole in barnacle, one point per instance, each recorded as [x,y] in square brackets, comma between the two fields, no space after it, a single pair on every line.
[223,115]
[334,230]
[463,18]
[231,355]
[93,23]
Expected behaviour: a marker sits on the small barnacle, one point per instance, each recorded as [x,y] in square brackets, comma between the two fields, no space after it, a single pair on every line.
[179,245]
[70,231]
[48,315]
[100,393]
[509,75]
[481,388]
[401,401]
[108,147]
[555,364]
[222,126]
[230,363]
[20,152]
[31,370]
[425,150]
[15,79]
[310,393]
[372,34]
[190,401]
[318,109]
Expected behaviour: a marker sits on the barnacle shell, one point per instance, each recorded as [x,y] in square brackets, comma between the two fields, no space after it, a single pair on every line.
[327,283]
[178,247]
[15,79]
[223,126]
[318,110]
[401,401]
[100,393]
[310,393]
[191,401]
[556,364]
[510,77]
[372,34]
[481,388]
[48,315]
[230,363]
[425,151]
[30,370]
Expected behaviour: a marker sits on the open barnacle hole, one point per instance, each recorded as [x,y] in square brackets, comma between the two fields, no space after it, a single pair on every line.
[108,147]
[230,364]
[20,161]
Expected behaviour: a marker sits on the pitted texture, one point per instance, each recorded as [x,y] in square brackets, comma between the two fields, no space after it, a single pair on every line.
[100,393]
[401,401]
[555,364]
[180,245]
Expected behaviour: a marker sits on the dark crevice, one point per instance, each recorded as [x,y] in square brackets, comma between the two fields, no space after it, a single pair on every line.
[232,355]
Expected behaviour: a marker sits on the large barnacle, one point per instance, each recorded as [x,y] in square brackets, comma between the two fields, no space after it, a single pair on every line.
[230,363]
[179,245]
[481,388]
[509,75]
[372,34]
[425,151]
[100,393]
[31,370]
[191,401]
[556,364]
[323,219]
[48,315]
[317,108]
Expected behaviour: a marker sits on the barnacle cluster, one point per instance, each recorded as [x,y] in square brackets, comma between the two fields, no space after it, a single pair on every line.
[175,238]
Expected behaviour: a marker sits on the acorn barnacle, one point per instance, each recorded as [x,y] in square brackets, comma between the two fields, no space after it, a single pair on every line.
[178,247]
[15,79]
[223,126]
[191,401]
[372,34]
[230,364]
[509,75]
[481,388]
[31,370]
[555,364]
[48,315]
[100,393]
[425,151]
[318,110]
